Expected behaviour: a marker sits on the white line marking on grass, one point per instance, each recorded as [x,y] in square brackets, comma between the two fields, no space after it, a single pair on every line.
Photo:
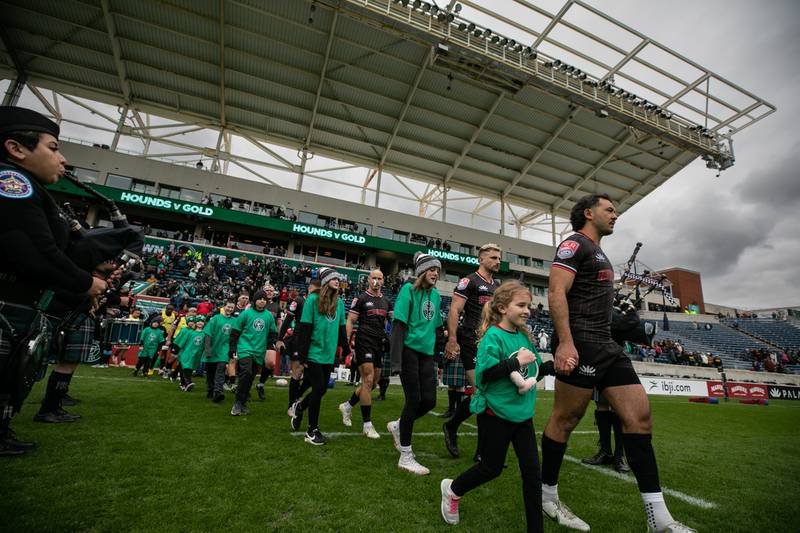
[359,434]
[692,500]
[473,426]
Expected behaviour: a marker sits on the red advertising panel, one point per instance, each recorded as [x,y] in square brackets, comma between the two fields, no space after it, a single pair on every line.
[738,390]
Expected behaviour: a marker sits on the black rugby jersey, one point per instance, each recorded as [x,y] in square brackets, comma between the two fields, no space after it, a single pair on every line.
[372,311]
[592,294]
[293,313]
[275,309]
[476,290]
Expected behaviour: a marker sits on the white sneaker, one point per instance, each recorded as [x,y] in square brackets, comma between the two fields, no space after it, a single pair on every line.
[449,505]
[394,429]
[346,411]
[370,432]
[409,463]
[563,516]
[674,527]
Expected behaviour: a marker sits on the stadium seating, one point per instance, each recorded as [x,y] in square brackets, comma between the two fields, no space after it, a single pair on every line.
[778,332]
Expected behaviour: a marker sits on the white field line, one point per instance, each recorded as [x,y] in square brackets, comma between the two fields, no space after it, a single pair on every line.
[692,500]
[359,434]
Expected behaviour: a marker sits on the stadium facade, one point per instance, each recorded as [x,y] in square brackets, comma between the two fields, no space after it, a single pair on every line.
[314,229]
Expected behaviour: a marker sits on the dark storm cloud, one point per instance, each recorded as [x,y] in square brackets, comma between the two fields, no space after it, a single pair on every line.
[775,187]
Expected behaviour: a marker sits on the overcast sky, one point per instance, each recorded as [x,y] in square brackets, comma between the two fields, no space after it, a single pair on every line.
[735,229]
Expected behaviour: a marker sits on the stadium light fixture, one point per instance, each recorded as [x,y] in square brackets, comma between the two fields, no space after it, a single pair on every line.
[457,8]
[199,164]
[471,26]
[557,63]
[462,26]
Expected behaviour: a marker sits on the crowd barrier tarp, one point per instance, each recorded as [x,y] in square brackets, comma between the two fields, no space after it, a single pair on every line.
[782,392]
[753,391]
[673,387]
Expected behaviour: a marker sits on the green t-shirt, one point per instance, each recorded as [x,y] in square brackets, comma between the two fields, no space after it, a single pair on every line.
[180,338]
[419,310]
[501,395]
[324,330]
[219,329]
[150,339]
[194,343]
[255,327]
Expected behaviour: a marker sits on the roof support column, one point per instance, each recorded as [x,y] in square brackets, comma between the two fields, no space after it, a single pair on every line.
[301,173]
[122,116]
[15,89]
[553,225]
[502,215]
[378,187]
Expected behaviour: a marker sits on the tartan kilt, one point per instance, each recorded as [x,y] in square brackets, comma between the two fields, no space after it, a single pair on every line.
[386,365]
[80,344]
[453,373]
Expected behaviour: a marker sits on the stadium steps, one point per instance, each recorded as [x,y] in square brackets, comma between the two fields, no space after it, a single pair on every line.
[780,334]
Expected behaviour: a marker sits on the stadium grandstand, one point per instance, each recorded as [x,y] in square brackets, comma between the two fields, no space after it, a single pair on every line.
[356,133]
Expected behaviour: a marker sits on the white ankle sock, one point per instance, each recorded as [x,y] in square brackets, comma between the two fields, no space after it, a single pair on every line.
[367,425]
[549,493]
[658,516]
[405,449]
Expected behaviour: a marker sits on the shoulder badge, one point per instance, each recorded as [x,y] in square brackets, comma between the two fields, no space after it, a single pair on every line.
[567,249]
[15,185]
[462,284]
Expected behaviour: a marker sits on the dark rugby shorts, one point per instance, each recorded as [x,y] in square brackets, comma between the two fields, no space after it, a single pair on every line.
[468,345]
[600,365]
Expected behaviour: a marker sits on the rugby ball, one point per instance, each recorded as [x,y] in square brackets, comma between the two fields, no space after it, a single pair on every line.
[281,382]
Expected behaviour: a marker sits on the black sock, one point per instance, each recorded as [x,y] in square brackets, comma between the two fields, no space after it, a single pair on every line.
[57,385]
[461,414]
[642,460]
[451,400]
[383,384]
[353,399]
[265,375]
[366,413]
[552,456]
[459,397]
[603,420]
[294,386]
[616,423]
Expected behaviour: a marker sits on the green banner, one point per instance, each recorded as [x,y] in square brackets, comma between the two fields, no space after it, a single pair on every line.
[261,221]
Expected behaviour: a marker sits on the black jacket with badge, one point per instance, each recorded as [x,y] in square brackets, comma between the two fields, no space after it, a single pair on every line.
[34,235]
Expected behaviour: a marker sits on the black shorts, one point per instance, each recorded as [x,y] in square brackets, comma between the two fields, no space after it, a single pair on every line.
[369,351]
[600,365]
[468,345]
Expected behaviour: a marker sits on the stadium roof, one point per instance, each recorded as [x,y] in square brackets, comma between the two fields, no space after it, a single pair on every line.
[399,85]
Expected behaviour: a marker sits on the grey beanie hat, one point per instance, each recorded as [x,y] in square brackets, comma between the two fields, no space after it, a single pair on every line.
[326,275]
[424,262]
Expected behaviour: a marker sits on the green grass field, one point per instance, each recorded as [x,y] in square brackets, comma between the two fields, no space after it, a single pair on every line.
[147,457]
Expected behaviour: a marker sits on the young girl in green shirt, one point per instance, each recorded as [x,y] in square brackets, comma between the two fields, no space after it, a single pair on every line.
[320,332]
[505,411]
[416,331]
